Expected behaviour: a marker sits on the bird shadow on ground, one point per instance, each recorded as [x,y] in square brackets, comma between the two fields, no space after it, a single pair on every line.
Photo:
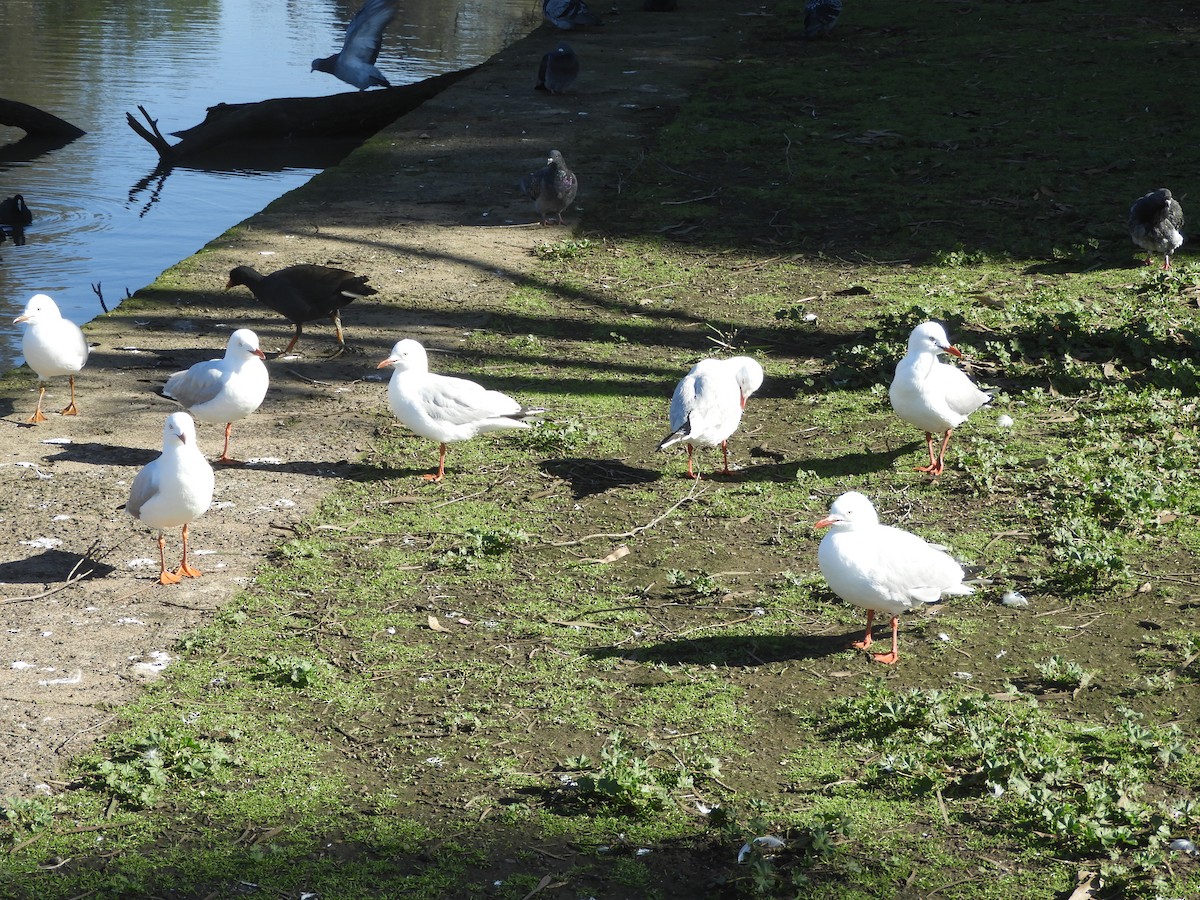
[51,565]
[729,650]
[595,476]
[103,454]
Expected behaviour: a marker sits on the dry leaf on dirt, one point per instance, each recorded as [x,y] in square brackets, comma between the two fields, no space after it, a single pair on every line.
[435,625]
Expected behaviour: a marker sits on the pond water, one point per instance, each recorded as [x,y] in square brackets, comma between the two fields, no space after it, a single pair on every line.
[101,215]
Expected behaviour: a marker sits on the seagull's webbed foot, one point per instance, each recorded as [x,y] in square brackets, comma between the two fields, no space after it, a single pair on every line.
[186,571]
[165,577]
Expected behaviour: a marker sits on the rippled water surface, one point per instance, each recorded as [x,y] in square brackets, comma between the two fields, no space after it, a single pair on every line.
[101,216]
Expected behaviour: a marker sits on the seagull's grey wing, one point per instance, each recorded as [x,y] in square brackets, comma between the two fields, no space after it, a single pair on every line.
[197,385]
[462,402]
[144,487]
[364,34]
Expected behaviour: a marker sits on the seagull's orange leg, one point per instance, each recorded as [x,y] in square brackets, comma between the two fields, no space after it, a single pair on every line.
[889,658]
[71,409]
[725,456]
[866,641]
[165,577]
[932,467]
[38,415]
[225,458]
[184,568]
[441,472]
[691,473]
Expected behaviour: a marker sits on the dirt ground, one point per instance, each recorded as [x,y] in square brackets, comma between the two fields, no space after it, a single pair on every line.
[429,210]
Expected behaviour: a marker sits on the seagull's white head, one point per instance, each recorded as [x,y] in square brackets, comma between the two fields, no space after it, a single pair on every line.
[850,510]
[407,356]
[40,307]
[930,337]
[748,374]
[244,342]
[179,430]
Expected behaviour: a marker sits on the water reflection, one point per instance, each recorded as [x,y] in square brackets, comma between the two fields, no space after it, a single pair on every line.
[103,212]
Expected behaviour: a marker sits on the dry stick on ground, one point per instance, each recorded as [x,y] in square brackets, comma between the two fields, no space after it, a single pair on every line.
[71,579]
[690,495]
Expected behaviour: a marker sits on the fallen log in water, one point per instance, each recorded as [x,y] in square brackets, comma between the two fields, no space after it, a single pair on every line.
[36,122]
[362,112]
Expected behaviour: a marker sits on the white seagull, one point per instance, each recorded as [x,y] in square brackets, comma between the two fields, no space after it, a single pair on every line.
[707,405]
[930,394]
[226,389]
[355,62]
[52,346]
[881,568]
[443,408]
[172,490]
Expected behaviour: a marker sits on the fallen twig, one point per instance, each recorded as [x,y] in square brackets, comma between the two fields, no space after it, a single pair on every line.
[690,495]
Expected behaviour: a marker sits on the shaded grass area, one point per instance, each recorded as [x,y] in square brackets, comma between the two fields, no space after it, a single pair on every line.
[571,672]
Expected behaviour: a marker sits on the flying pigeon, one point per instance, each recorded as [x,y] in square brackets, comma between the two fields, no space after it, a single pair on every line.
[559,69]
[355,63]
[820,16]
[552,188]
[568,14]
[1154,223]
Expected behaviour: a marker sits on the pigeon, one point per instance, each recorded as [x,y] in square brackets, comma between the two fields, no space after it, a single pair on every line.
[305,293]
[551,188]
[881,568]
[707,405]
[52,346]
[930,394]
[1154,223]
[172,490]
[443,408]
[355,63]
[226,389]
[820,16]
[568,14]
[15,217]
[558,70]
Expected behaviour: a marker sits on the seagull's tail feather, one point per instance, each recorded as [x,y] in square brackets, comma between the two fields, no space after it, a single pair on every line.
[680,434]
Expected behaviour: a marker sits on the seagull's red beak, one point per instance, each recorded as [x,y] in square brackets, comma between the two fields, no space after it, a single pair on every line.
[260,354]
[387,362]
[953,351]
[825,522]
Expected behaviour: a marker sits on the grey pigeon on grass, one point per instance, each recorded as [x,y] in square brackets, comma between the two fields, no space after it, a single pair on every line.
[355,62]
[820,16]
[1154,223]
[558,70]
[552,188]
[568,14]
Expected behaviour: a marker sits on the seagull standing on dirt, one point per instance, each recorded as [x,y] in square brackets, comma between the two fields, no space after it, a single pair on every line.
[568,14]
[52,346]
[820,16]
[1154,223]
[305,293]
[443,408]
[707,405]
[558,70]
[226,389]
[552,188]
[930,394]
[880,568]
[355,62]
[172,490]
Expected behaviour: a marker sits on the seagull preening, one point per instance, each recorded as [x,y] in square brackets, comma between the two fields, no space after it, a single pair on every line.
[172,490]
[355,62]
[305,293]
[880,568]
[1154,223]
[52,346]
[930,394]
[226,389]
[558,70]
[707,405]
[568,14]
[820,16]
[552,188]
[443,408]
